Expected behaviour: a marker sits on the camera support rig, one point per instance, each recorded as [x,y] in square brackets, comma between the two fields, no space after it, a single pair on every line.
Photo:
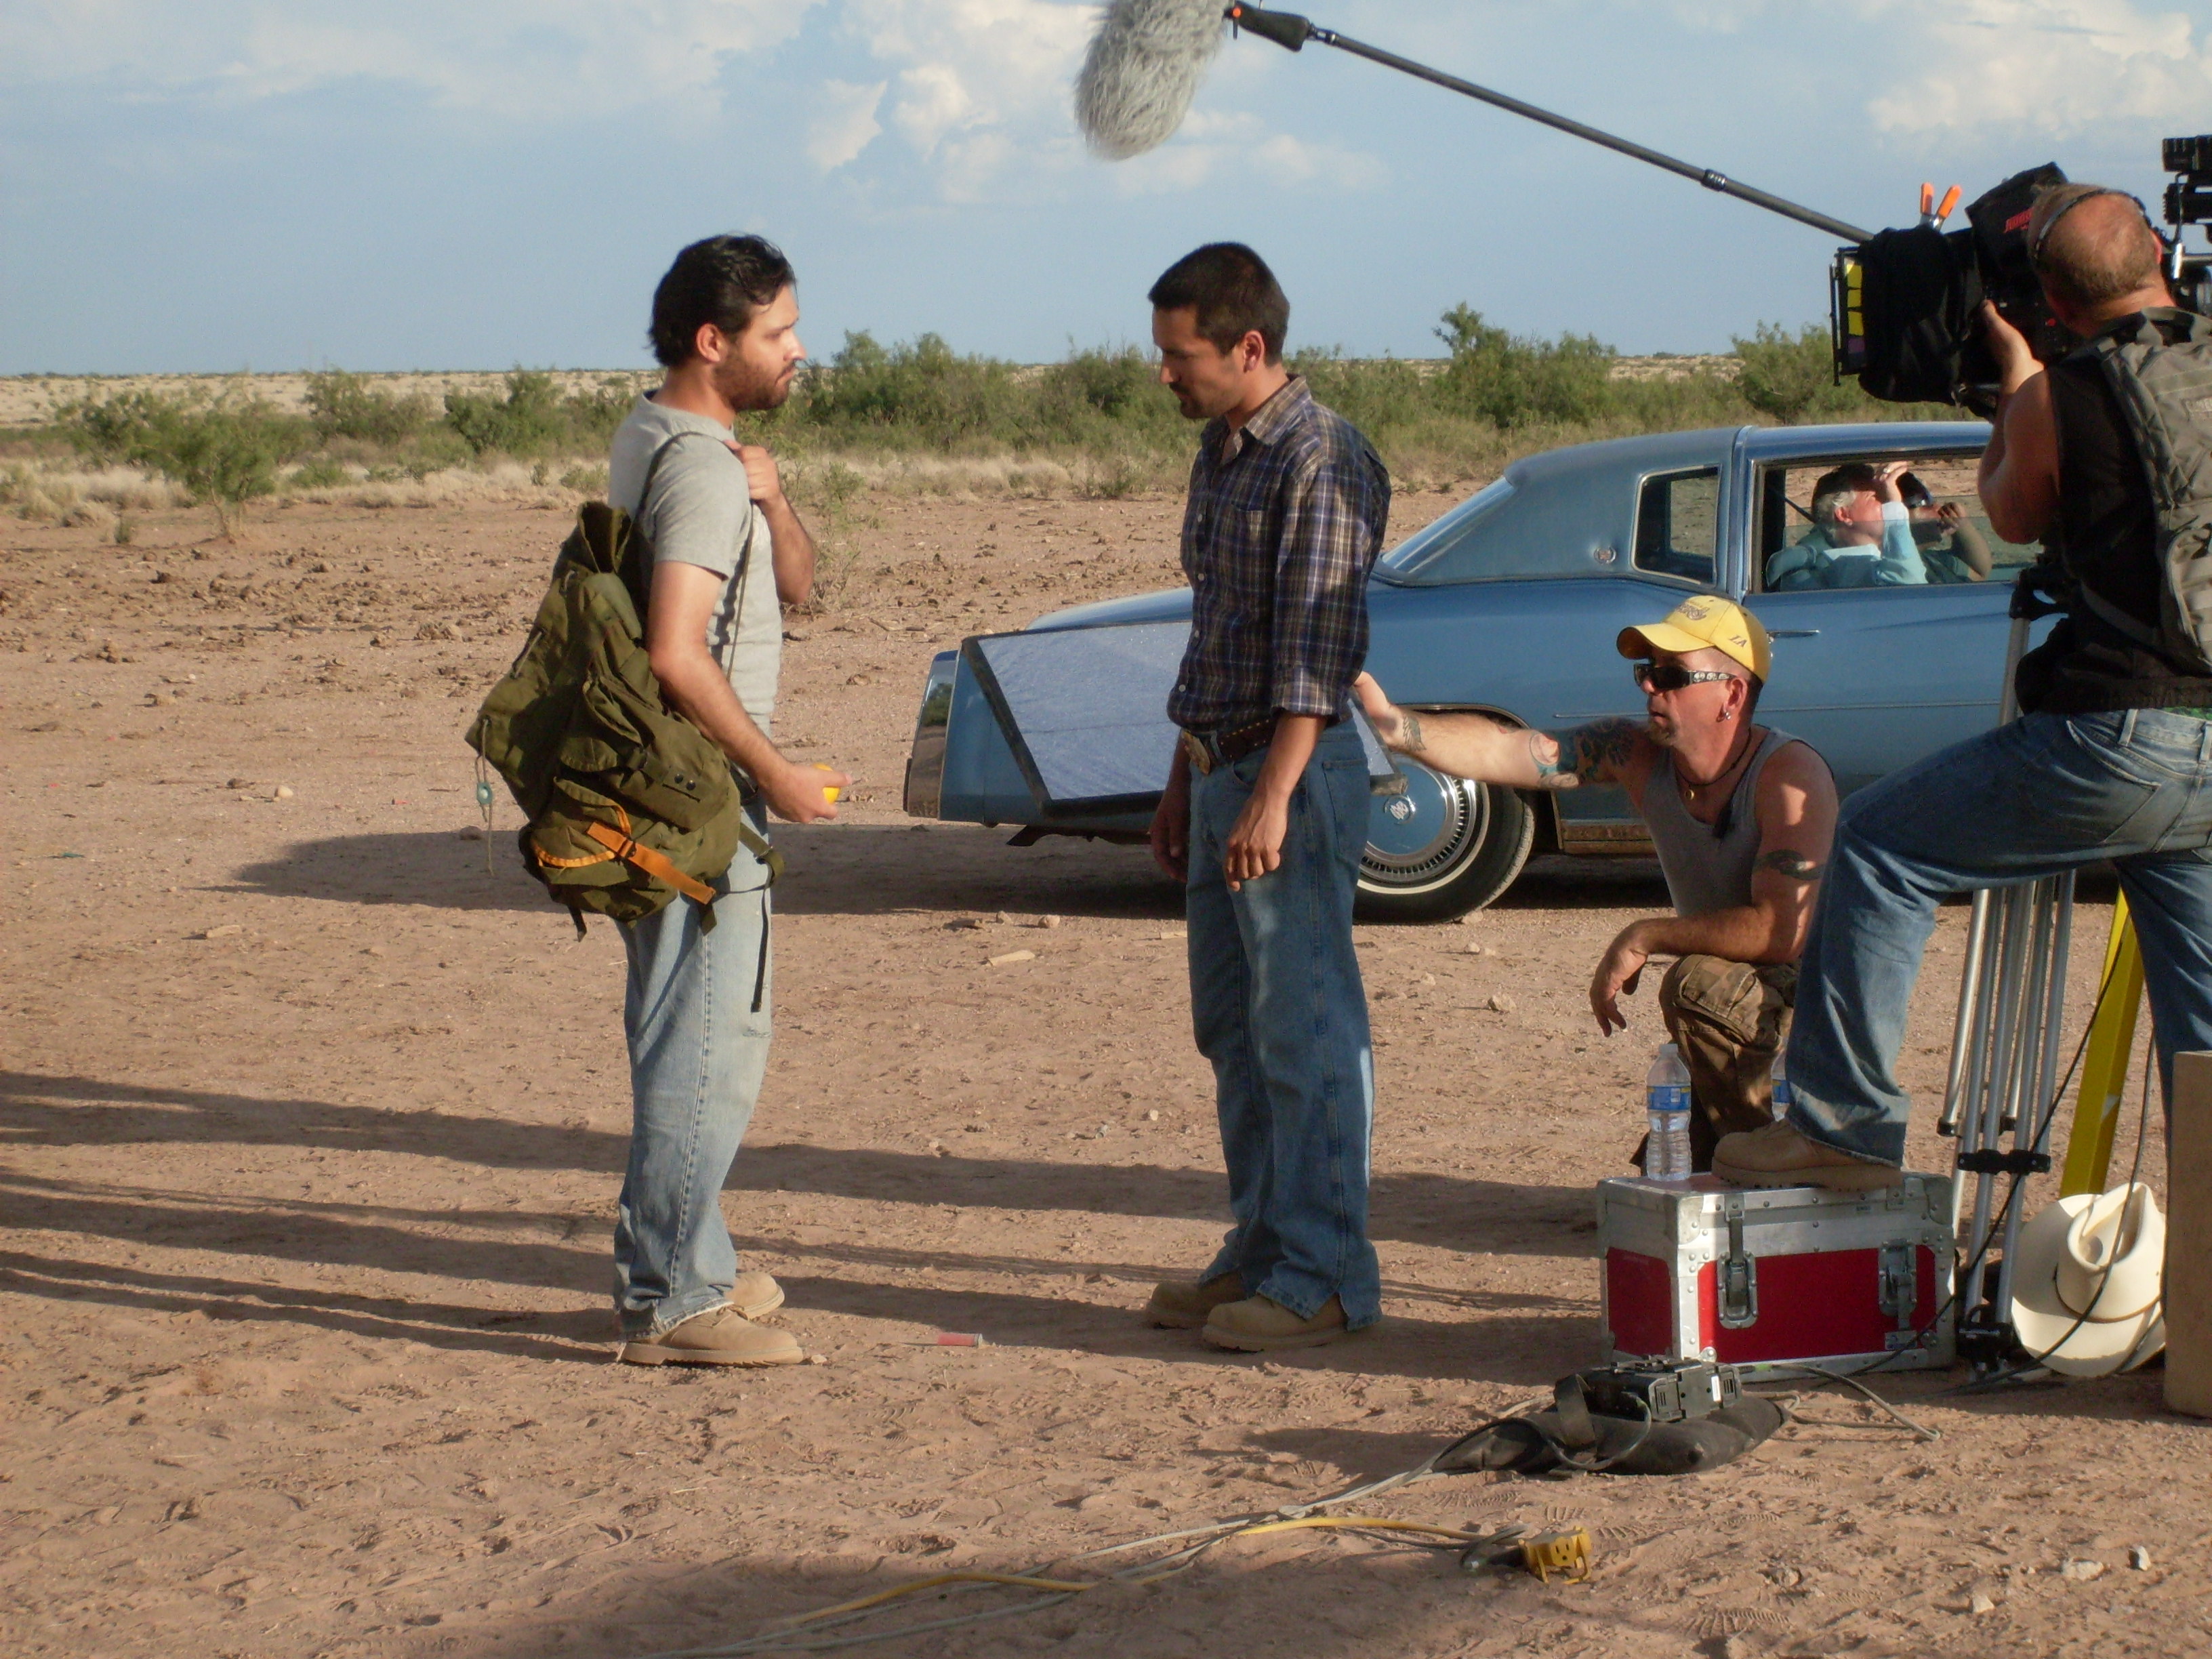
[2188,201]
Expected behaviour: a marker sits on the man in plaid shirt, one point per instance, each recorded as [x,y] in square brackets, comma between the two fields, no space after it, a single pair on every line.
[1264,814]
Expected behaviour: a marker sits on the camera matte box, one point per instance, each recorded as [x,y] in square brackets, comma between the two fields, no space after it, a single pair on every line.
[1765,1279]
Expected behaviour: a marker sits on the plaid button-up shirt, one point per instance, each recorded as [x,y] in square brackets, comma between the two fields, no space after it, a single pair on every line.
[1283,522]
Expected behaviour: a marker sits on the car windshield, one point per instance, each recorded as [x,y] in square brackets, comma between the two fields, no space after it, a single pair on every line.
[1427,553]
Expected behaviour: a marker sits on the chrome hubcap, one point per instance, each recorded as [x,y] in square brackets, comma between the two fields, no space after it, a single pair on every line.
[1422,837]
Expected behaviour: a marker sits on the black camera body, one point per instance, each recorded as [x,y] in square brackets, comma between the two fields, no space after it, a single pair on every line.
[1903,304]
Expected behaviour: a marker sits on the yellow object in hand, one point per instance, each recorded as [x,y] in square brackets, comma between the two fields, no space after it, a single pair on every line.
[829,791]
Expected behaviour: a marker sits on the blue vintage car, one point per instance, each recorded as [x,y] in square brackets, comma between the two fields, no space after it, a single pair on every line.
[1510,602]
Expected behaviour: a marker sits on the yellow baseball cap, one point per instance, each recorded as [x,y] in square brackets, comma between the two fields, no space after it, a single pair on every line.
[1705,623]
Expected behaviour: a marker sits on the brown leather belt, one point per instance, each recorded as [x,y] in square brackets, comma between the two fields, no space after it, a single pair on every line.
[1207,750]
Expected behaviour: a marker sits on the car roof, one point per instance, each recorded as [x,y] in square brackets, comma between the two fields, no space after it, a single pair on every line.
[1865,437]
[1712,445]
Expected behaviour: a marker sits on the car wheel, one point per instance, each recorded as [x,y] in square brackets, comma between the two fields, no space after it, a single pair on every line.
[1441,848]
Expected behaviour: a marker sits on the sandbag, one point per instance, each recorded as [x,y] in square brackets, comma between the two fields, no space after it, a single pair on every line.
[1539,1444]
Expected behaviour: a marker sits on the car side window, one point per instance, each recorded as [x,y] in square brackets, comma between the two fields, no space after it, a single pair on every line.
[1943,539]
[1678,524]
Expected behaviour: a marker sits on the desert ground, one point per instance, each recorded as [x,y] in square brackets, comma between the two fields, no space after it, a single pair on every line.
[314,1112]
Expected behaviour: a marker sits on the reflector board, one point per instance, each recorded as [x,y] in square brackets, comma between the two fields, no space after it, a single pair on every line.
[1085,711]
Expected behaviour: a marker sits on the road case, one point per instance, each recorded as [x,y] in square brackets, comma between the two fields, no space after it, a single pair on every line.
[1763,1279]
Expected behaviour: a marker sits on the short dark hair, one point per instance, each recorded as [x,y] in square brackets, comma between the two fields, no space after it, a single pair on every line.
[723,280]
[1233,292]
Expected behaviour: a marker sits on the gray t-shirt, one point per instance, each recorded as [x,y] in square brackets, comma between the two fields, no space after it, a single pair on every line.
[702,513]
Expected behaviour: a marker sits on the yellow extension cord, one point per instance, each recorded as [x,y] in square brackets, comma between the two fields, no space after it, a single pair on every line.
[1076,1587]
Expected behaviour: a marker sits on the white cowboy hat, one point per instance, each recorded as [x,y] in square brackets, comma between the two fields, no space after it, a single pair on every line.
[2098,1254]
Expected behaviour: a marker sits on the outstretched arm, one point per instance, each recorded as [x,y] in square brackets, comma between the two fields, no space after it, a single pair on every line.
[1491,751]
[1797,822]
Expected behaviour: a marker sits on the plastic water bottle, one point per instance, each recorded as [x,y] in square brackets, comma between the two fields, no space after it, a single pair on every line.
[1667,1102]
[1782,1095]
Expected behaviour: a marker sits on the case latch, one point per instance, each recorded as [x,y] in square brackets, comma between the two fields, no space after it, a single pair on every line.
[1738,1285]
[1900,1284]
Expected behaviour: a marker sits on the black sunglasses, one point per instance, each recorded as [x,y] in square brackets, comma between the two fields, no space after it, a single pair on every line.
[1673,677]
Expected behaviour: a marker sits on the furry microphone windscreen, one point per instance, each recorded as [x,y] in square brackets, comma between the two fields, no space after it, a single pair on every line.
[1143,70]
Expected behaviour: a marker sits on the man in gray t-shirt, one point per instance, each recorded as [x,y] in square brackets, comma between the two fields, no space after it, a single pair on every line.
[729,554]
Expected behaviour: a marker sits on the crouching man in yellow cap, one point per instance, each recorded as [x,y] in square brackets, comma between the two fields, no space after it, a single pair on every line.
[1742,815]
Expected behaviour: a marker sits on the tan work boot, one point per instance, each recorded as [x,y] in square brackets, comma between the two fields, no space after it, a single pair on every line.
[1180,1307]
[754,1294]
[1777,1156]
[1257,1325]
[720,1336]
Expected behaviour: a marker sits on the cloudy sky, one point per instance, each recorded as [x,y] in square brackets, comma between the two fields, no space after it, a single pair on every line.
[399,183]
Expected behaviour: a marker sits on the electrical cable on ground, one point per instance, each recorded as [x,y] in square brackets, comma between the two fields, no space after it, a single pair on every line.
[808,1632]
[1850,1381]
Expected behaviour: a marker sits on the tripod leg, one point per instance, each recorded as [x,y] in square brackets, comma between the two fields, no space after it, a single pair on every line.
[2104,1067]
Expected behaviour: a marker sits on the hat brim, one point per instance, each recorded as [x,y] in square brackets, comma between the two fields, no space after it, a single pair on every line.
[2046,1327]
[1660,636]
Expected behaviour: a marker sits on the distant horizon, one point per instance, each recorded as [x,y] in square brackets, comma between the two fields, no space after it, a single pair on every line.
[655,369]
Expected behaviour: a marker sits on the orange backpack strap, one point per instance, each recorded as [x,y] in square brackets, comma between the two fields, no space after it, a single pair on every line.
[619,845]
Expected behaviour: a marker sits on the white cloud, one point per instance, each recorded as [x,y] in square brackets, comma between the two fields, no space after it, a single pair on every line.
[844,122]
[531,59]
[978,91]
[2055,67]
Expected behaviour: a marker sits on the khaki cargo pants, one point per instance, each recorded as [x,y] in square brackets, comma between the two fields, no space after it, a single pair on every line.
[1727,1019]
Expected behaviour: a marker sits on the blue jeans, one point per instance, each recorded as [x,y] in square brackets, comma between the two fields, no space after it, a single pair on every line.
[1277,1005]
[2045,795]
[697,1015]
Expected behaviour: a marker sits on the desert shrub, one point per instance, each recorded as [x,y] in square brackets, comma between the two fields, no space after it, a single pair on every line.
[342,405]
[920,388]
[532,419]
[225,449]
[317,472]
[527,421]
[1792,377]
[594,416]
[1515,380]
[586,480]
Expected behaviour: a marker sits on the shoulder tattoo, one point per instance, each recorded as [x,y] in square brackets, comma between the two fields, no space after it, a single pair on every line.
[1795,865]
[1602,746]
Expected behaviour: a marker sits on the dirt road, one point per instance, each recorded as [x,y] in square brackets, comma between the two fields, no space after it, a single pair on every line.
[313,1127]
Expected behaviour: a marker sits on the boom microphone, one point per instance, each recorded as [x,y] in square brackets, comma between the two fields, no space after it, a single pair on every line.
[1142,71]
[1143,65]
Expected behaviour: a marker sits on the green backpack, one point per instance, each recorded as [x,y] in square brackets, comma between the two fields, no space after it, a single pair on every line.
[628,804]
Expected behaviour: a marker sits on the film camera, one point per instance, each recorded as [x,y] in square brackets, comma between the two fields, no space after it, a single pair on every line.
[1903,303]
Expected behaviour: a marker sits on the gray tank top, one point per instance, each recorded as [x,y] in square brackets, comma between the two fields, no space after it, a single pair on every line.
[1707,872]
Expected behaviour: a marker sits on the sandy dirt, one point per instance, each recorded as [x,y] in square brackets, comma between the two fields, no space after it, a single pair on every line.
[313,1127]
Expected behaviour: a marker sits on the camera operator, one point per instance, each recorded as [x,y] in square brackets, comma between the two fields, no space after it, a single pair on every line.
[2112,760]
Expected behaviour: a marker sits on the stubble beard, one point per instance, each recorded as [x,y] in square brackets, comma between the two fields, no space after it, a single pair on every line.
[747,390]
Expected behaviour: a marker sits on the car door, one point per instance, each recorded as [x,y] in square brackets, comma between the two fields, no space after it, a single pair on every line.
[1877,678]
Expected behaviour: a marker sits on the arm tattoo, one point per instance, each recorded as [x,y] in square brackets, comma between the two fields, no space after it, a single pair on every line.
[1602,746]
[1795,865]
[1409,732]
[1547,765]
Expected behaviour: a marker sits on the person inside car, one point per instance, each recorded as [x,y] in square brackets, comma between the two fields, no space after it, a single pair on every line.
[1862,535]
[1950,546]
[1742,815]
